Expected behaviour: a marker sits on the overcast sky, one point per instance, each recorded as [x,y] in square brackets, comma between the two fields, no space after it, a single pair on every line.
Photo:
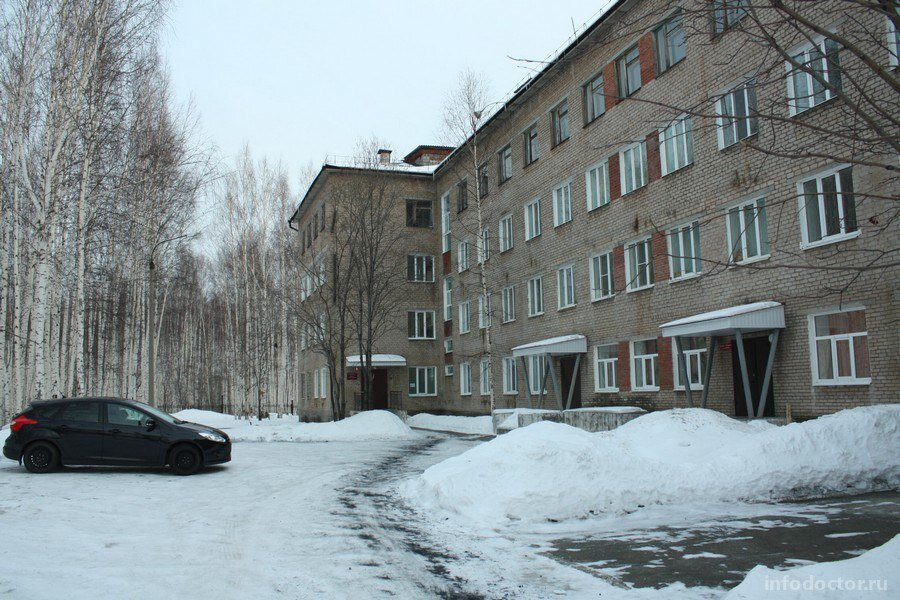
[298,80]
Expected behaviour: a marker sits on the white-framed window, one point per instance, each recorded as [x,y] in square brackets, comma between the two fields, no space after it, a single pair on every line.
[839,347]
[676,145]
[560,118]
[644,372]
[321,382]
[669,42]
[736,110]
[565,286]
[684,251]
[803,89]
[562,204]
[601,273]
[505,233]
[448,298]
[893,40]
[596,185]
[510,376]
[422,381]
[483,246]
[315,379]
[462,255]
[448,345]
[728,12]
[484,311]
[633,167]
[484,377]
[504,164]
[606,360]
[448,370]
[748,233]
[695,353]
[638,265]
[532,219]
[420,268]
[537,367]
[535,296]
[445,222]
[531,144]
[594,98]
[828,207]
[464,324]
[465,379]
[628,71]
[509,303]
[420,324]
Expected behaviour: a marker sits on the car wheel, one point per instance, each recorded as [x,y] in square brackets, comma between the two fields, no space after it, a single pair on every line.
[185,460]
[40,457]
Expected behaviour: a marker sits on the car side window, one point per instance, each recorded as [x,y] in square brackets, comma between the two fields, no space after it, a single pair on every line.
[81,412]
[118,414]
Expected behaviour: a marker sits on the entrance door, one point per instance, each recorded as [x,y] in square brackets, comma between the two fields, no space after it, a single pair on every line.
[756,350]
[379,389]
[566,373]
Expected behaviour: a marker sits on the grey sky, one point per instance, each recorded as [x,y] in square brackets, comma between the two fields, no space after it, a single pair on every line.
[299,80]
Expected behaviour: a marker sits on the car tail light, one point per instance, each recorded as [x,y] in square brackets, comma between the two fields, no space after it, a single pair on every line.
[20,422]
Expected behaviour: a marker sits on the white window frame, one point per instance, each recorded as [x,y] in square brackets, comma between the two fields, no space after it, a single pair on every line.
[803,55]
[848,338]
[562,203]
[595,268]
[422,376]
[465,325]
[631,279]
[448,370]
[532,219]
[509,303]
[420,267]
[510,376]
[537,366]
[596,185]
[465,379]
[448,345]
[591,98]
[609,368]
[662,37]
[644,359]
[691,355]
[504,169]
[558,116]
[625,61]
[484,311]
[448,298]
[681,264]
[484,377]
[724,120]
[826,239]
[536,296]
[421,324]
[462,255]
[760,230]
[679,137]
[446,236]
[565,286]
[893,41]
[627,166]
[505,232]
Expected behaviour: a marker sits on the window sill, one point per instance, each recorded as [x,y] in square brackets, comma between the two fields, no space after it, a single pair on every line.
[465,393]
[640,289]
[833,239]
[843,383]
[637,189]
[602,298]
[736,143]
[540,314]
[532,238]
[416,281]
[792,112]
[678,170]
[510,393]
[560,143]
[645,389]
[423,395]
[465,332]
[697,388]
[607,391]
[684,278]
[594,120]
[431,339]
[526,165]
[749,261]
[564,308]
[507,250]
[507,322]
[598,207]
[502,181]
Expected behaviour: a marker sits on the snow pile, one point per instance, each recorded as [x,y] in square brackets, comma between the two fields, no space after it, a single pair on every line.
[473,425]
[554,471]
[369,425]
[871,575]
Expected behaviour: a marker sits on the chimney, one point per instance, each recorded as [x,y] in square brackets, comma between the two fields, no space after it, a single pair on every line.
[384,156]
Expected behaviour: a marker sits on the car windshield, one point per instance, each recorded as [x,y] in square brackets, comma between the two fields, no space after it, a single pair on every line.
[157,413]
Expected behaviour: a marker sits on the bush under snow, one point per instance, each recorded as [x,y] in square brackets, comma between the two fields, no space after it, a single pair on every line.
[554,471]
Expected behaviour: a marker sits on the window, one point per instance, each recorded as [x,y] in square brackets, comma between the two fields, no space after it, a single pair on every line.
[510,376]
[445,223]
[448,370]
[601,276]
[484,311]
[827,207]
[643,368]
[462,255]
[483,245]
[606,359]
[465,379]
[684,251]
[736,111]
[893,41]
[315,225]
[504,164]
[505,233]
[535,296]
[633,167]
[560,118]
[462,195]
[537,367]
[315,374]
[422,381]
[448,298]
[308,235]
[748,235]
[596,185]
[323,382]
[669,43]
[594,98]
[676,145]
[533,219]
[483,180]
[727,13]
[840,348]
[81,412]
[804,89]
[565,287]
[484,377]
[531,145]
[418,213]
[628,70]
[464,326]
[448,345]
[562,204]
[509,303]
[420,324]
[695,353]
[322,219]
[419,268]
[638,265]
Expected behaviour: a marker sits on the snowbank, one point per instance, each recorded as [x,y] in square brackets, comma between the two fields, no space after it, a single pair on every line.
[369,425]
[870,575]
[473,425]
[554,471]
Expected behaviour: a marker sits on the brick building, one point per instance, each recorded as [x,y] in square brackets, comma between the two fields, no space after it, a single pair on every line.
[626,221]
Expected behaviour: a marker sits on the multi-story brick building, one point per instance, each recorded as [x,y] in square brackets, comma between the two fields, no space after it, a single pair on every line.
[627,208]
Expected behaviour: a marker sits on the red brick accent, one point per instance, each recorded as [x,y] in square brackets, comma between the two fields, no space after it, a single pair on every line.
[646,56]
[664,362]
[654,167]
[448,328]
[448,358]
[447,262]
[660,257]
[609,85]
[623,371]
[615,185]
[619,268]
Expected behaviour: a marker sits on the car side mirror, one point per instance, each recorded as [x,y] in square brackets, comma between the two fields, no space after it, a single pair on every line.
[151,424]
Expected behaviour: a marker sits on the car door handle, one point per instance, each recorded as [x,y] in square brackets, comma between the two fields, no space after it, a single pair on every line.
[115,431]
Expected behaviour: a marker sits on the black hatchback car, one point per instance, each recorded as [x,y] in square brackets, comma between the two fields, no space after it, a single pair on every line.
[111,431]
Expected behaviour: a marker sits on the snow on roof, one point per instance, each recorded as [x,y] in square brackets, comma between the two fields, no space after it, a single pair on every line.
[564,344]
[378,360]
[754,316]
[357,162]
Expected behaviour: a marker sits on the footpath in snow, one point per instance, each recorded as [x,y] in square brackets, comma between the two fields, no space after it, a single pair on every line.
[455,424]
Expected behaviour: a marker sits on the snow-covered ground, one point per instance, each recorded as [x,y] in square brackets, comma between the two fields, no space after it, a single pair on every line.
[472,425]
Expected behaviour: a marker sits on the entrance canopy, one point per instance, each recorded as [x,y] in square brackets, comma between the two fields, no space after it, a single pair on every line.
[556,346]
[759,316]
[378,360]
